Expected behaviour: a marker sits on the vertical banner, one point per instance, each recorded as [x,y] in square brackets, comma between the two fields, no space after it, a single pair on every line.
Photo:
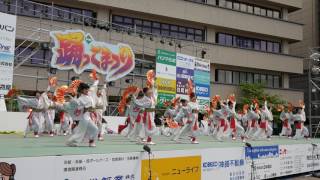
[202,80]
[7,46]
[166,75]
[185,71]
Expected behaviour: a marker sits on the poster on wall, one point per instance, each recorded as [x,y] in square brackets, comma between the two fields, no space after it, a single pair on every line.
[7,47]
[176,69]
[77,50]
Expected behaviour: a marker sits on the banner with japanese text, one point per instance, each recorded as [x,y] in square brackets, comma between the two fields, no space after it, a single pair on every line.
[77,50]
[7,47]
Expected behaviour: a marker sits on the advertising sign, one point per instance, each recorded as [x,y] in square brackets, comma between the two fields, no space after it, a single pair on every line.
[77,50]
[7,47]
[176,168]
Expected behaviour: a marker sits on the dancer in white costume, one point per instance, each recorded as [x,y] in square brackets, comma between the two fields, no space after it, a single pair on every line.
[286,120]
[136,115]
[149,114]
[49,112]
[35,118]
[299,118]
[101,106]
[83,109]
[252,118]
[189,111]
[264,130]
[235,125]
[65,119]
[171,112]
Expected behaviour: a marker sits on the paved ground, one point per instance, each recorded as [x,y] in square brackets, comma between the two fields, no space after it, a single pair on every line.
[17,146]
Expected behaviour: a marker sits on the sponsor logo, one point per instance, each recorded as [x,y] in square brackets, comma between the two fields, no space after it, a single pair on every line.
[5,27]
[4,48]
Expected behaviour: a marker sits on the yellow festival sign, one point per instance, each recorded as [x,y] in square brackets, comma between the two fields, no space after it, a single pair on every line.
[178,168]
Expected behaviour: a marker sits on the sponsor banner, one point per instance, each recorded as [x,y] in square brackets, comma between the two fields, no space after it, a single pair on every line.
[185,61]
[165,71]
[298,159]
[164,97]
[166,85]
[176,168]
[77,50]
[202,90]
[202,64]
[182,88]
[224,163]
[7,46]
[202,77]
[265,160]
[126,166]
[183,73]
[166,57]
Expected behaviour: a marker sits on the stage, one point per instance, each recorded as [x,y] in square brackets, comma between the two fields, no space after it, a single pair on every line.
[17,146]
[117,158]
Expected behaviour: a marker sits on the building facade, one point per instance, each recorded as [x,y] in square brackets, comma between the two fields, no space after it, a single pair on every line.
[246,41]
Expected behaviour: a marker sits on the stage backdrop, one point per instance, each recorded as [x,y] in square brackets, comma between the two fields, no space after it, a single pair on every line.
[173,71]
[7,46]
[77,50]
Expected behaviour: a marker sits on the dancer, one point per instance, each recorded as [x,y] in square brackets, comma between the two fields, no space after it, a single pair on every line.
[169,115]
[234,120]
[264,130]
[252,118]
[136,114]
[49,112]
[101,106]
[35,118]
[65,118]
[285,118]
[299,118]
[85,113]
[190,111]
[125,109]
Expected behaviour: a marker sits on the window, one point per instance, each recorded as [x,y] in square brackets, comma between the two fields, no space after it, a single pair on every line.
[270,81]
[220,76]
[276,81]
[168,30]
[237,77]
[228,77]
[263,79]
[256,78]
[249,77]
[269,13]
[236,6]
[248,43]
[243,77]
[257,11]
[263,12]
[243,7]
[250,9]
[276,14]
[270,47]
[229,4]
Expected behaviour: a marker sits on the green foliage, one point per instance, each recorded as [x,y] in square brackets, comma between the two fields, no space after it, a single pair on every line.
[256,91]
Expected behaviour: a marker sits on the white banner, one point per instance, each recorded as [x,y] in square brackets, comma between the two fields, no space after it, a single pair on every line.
[7,46]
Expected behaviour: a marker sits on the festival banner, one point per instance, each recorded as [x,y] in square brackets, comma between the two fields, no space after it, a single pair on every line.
[185,71]
[166,85]
[7,47]
[77,50]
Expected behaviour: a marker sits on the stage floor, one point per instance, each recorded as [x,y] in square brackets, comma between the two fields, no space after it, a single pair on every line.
[12,146]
